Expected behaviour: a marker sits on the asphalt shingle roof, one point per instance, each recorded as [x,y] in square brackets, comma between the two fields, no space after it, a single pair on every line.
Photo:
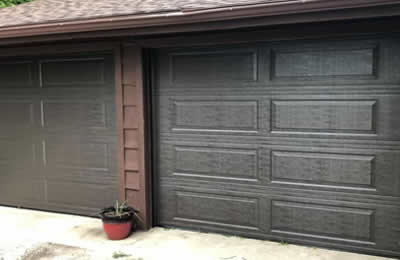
[46,11]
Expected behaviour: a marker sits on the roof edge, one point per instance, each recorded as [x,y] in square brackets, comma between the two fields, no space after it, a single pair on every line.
[279,7]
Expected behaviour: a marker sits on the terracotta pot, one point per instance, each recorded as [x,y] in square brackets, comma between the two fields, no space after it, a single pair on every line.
[118,227]
[117,231]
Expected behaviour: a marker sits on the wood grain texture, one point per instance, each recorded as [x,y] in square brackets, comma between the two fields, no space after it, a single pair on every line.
[306,151]
[136,178]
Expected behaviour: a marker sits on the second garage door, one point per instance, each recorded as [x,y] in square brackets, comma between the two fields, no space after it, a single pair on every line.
[297,141]
[57,135]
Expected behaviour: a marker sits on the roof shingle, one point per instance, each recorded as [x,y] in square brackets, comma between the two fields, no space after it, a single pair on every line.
[47,11]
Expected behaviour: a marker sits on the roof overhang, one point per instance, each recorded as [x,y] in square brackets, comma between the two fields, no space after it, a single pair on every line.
[351,10]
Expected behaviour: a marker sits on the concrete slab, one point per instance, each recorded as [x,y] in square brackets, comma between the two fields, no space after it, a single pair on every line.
[34,235]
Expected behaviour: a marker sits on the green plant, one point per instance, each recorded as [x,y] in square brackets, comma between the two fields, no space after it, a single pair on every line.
[119,210]
[6,3]
[283,243]
[119,254]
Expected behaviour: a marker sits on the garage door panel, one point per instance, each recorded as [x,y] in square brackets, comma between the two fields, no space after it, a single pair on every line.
[369,117]
[80,194]
[336,223]
[208,115]
[300,63]
[369,225]
[19,191]
[73,72]
[81,159]
[18,113]
[235,212]
[327,220]
[363,171]
[17,74]
[390,60]
[225,115]
[29,190]
[337,116]
[61,112]
[322,168]
[79,155]
[211,209]
[218,162]
[235,65]
[312,140]
[341,116]
[17,156]
[320,61]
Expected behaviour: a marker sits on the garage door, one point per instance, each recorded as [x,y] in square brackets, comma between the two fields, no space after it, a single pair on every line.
[57,134]
[294,140]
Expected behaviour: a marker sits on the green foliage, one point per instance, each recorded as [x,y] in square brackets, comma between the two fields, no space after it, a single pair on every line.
[118,210]
[5,3]
[283,243]
[119,254]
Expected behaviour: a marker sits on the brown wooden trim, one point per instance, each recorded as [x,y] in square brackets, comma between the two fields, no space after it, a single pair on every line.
[291,12]
[357,28]
[119,121]
[283,32]
[60,48]
[136,176]
[145,176]
[148,79]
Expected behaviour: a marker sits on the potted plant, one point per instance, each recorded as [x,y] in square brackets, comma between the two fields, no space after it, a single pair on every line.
[118,220]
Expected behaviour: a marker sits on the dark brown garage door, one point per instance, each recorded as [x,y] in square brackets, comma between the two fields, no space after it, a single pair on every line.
[57,134]
[294,140]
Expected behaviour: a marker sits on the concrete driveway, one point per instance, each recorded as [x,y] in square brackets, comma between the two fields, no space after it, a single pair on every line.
[33,235]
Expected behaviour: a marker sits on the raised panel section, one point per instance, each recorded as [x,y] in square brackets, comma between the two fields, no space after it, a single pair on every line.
[322,63]
[132,180]
[73,114]
[216,163]
[130,95]
[77,156]
[131,117]
[16,114]
[322,168]
[131,138]
[11,188]
[132,159]
[344,224]
[341,169]
[210,115]
[324,116]
[89,72]
[15,156]
[214,66]
[321,117]
[57,132]
[16,74]
[85,195]
[217,210]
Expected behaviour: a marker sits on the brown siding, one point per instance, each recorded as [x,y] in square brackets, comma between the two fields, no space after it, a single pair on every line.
[134,180]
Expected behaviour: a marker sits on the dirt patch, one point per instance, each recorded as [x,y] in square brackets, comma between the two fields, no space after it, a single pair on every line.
[55,251]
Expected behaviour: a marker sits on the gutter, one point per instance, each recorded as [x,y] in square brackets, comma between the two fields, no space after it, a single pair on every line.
[274,8]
